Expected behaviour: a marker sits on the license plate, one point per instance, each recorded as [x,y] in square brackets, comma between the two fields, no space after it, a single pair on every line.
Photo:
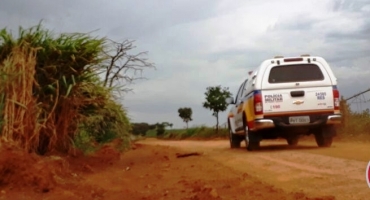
[299,120]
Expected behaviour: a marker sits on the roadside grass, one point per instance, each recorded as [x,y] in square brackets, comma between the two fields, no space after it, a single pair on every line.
[151,133]
[360,133]
[201,132]
[355,126]
[357,129]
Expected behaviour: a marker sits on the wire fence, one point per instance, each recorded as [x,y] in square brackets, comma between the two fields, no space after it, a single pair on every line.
[359,102]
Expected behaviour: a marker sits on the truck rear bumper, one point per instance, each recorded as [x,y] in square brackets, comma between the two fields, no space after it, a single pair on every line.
[260,124]
[334,119]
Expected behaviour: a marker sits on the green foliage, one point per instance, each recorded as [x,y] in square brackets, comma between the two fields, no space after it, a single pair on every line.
[216,100]
[167,124]
[141,128]
[185,114]
[101,124]
[101,119]
[151,133]
[84,141]
[355,125]
[62,66]
[64,58]
[201,132]
[160,129]
[74,104]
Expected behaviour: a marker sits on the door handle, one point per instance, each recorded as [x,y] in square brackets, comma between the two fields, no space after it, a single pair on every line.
[297,93]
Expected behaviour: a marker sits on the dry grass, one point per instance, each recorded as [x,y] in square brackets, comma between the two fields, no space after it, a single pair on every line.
[20,111]
[24,122]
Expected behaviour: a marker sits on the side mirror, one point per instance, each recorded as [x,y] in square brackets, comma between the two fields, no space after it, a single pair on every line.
[230,100]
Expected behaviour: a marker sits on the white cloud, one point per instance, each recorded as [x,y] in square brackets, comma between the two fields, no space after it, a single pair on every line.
[210,42]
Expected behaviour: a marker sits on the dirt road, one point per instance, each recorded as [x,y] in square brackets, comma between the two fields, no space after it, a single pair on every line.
[338,171]
[152,171]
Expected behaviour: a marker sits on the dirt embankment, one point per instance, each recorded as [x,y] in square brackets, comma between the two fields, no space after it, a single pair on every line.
[153,171]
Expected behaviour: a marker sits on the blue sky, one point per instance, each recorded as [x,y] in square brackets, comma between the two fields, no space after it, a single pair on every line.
[196,44]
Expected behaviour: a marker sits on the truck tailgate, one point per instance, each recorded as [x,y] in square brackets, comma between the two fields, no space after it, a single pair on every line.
[285,101]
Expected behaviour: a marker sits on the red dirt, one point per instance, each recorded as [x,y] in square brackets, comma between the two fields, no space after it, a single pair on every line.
[152,171]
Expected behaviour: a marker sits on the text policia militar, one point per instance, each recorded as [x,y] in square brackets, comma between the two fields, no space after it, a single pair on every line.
[273,98]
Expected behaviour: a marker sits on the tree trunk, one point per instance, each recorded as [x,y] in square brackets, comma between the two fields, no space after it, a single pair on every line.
[187,126]
[217,123]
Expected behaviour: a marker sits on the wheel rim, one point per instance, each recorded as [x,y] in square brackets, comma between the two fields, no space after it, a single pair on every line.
[246,136]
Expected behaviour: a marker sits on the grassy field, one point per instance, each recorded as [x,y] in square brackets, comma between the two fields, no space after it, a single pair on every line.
[350,132]
[355,127]
[201,132]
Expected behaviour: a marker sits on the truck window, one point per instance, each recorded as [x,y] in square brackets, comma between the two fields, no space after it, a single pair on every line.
[240,91]
[295,73]
[244,90]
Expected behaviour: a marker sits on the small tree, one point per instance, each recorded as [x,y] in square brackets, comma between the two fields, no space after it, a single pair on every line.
[216,100]
[161,128]
[141,128]
[121,67]
[185,114]
[167,124]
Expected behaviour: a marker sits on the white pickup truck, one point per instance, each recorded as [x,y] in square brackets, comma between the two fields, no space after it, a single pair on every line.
[286,97]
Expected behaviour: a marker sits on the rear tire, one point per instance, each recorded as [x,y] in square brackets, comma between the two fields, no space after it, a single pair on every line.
[324,136]
[254,145]
[235,140]
[251,140]
[293,141]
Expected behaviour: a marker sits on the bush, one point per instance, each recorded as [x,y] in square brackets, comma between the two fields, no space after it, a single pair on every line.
[140,128]
[160,130]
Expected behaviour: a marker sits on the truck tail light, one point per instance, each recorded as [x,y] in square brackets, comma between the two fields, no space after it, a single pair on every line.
[336,98]
[258,107]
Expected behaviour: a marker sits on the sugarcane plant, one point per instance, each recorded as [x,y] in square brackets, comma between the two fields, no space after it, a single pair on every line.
[50,91]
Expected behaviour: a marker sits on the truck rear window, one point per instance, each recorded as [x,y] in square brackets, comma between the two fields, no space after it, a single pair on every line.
[295,73]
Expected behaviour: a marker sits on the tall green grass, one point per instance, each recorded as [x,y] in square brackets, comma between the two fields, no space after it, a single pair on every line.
[56,86]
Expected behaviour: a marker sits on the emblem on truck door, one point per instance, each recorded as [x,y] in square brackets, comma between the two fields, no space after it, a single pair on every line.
[298,102]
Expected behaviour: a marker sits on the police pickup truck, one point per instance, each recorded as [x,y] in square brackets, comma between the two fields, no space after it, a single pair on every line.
[285,97]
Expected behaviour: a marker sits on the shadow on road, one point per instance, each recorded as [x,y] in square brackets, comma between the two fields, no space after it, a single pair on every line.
[279,147]
[285,147]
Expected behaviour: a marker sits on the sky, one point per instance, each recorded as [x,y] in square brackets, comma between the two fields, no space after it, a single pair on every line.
[202,43]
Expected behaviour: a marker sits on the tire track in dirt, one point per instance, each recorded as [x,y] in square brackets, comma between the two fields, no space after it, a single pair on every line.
[300,169]
[313,174]
[323,164]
